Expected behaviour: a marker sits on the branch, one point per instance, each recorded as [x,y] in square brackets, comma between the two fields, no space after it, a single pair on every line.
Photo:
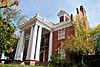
[14,3]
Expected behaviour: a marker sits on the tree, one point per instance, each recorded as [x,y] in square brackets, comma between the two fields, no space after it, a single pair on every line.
[7,35]
[8,10]
[81,43]
[8,3]
[96,36]
[82,40]
[8,15]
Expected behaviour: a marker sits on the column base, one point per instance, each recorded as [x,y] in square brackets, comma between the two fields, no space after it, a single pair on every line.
[26,62]
[17,62]
[30,62]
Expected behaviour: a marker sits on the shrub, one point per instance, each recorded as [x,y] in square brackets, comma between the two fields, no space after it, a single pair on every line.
[57,60]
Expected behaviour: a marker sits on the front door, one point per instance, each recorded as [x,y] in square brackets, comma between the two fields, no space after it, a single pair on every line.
[44,48]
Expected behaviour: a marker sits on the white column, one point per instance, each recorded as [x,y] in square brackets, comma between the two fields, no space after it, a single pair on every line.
[38,44]
[15,58]
[2,58]
[19,50]
[29,44]
[32,43]
[50,45]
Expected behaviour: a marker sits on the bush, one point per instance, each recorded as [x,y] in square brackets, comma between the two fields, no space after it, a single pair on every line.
[57,60]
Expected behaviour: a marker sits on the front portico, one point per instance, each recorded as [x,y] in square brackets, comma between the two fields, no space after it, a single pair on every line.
[31,48]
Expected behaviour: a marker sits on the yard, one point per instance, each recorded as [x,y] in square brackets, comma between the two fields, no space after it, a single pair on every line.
[15,65]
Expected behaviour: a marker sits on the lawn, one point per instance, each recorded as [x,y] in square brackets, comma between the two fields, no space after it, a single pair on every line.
[15,65]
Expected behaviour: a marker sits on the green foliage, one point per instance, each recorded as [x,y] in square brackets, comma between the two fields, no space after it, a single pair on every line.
[82,40]
[81,43]
[57,60]
[8,14]
[96,30]
[7,36]
[96,36]
[77,60]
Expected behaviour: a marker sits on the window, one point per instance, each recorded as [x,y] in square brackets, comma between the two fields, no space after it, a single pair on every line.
[61,18]
[61,34]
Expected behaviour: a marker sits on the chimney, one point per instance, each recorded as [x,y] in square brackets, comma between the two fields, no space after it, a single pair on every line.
[77,10]
[82,9]
[71,17]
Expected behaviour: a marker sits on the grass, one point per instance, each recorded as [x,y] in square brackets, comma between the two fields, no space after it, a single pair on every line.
[19,65]
[16,65]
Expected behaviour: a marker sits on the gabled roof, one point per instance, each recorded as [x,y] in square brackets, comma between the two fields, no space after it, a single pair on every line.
[62,13]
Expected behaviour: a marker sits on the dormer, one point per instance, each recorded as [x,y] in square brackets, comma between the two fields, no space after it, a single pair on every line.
[63,16]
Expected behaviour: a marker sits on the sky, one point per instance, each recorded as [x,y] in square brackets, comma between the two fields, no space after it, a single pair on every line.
[49,9]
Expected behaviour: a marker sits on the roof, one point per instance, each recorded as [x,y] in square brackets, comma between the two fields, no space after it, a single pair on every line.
[62,13]
[42,21]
